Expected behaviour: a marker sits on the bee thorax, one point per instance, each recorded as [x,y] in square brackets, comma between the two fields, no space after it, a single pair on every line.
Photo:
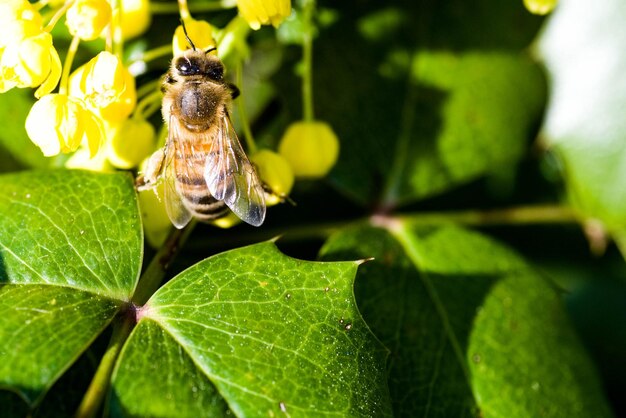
[198,107]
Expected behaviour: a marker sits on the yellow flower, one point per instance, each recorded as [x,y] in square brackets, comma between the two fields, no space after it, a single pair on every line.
[264,12]
[83,160]
[540,7]
[311,148]
[18,20]
[88,18]
[275,172]
[59,123]
[106,87]
[131,142]
[135,17]
[31,62]
[200,32]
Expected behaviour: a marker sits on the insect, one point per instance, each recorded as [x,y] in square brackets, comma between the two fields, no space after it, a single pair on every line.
[203,166]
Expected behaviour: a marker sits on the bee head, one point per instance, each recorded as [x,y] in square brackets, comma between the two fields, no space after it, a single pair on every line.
[200,63]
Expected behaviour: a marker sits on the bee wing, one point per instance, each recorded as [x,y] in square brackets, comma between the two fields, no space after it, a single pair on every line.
[232,178]
[176,210]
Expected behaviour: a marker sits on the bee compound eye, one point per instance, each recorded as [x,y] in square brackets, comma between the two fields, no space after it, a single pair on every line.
[216,73]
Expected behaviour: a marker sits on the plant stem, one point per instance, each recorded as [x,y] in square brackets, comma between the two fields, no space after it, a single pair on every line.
[183,10]
[148,102]
[100,383]
[307,60]
[522,215]
[243,117]
[57,15]
[153,54]
[67,65]
[153,275]
[116,29]
[162,8]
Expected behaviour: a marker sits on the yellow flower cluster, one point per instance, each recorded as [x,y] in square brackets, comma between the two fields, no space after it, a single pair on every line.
[94,103]
[27,56]
[263,12]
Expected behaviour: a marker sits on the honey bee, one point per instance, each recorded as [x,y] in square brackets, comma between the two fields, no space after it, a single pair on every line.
[203,166]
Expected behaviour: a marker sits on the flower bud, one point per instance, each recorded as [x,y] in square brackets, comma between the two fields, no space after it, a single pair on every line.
[275,172]
[540,7]
[18,20]
[88,18]
[227,221]
[200,32]
[156,224]
[31,62]
[264,12]
[59,123]
[132,141]
[106,87]
[135,17]
[311,148]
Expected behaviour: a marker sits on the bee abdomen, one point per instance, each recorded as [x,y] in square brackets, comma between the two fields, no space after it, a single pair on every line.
[198,200]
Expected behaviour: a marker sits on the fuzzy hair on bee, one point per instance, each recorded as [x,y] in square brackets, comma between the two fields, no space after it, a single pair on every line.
[205,171]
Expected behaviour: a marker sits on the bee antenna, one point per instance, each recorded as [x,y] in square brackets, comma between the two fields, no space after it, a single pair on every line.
[182,22]
[213,48]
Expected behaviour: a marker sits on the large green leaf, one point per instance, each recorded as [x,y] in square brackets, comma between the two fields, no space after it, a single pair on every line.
[583,48]
[269,333]
[434,298]
[70,252]
[425,95]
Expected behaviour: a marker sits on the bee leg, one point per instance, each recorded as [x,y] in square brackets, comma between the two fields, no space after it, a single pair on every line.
[234,90]
[149,178]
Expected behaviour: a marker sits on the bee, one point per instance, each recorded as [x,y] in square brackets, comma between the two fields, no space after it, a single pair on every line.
[203,166]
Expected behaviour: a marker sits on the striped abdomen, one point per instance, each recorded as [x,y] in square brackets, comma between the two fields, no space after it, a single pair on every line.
[189,165]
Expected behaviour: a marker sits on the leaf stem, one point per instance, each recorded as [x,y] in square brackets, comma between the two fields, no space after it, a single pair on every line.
[521,215]
[307,60]
[153,275]
[99,385]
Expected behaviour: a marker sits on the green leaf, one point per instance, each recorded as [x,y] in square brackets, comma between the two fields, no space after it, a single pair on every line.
[421,296]
[69,228]
[487,103]
[526,359]
[70,252]
[272,334]
[153,362]
[425,97]
[43,330]
[583,49]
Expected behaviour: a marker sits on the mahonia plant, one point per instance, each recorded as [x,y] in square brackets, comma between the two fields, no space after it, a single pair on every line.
[356,117]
